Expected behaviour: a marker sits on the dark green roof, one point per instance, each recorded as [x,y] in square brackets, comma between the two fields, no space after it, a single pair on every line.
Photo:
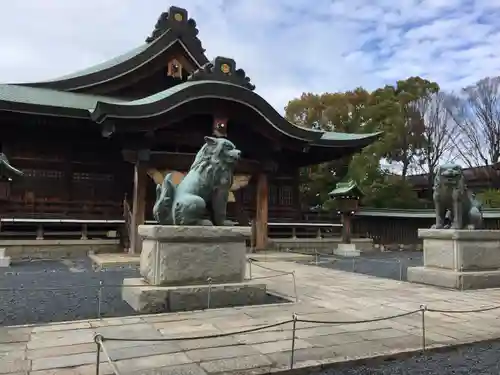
[173,35]
[17,98]
[346,188]
[108,64]
[100,108]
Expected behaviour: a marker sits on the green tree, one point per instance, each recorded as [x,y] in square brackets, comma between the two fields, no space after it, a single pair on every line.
[388,109]
[394,112]
[342,112]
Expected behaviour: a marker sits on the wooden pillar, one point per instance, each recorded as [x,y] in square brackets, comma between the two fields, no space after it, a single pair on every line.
[346,227]
[138,206]
[262,212]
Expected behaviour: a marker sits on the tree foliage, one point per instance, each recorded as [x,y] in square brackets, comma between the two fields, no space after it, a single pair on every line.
[342,112]
[389,109]
[395,113]
[489,198]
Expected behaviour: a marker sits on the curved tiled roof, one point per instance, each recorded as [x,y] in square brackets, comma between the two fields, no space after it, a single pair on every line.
[35,100]
[160,103]
[217,80]
[175,30]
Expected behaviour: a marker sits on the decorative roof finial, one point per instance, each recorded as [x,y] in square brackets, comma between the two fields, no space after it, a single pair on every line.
[175,18]
[222,69]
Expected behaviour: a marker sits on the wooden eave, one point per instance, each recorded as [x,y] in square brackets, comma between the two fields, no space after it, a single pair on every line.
[177,102]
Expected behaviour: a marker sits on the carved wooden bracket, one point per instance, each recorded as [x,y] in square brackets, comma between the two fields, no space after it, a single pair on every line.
[174,69]
[219,126]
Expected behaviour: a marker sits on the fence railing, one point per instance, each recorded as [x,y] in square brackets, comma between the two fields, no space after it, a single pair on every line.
[294,230]
[26,228]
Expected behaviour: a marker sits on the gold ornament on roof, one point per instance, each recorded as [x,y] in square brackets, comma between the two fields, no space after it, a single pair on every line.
[225,68]
[178,17]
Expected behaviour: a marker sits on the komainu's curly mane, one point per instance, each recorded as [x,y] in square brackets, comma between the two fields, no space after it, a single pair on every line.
[208,163]
[204,188]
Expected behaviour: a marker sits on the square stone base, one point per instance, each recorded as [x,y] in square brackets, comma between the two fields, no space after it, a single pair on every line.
[454,279]
[189,255]
[4,262]
[159,299]
[347,250]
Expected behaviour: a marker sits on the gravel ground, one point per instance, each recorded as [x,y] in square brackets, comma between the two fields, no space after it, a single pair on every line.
[390,265]
[477,359]
[74,294]
[67,290]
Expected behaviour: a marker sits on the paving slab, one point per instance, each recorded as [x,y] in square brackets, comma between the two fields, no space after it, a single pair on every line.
[325,295]
[237,364]
[274,256]
[105,260]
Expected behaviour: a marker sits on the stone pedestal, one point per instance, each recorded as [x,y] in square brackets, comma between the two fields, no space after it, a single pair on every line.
[181,264]
[4,260]
[146,298]
[347,250]
[459,259]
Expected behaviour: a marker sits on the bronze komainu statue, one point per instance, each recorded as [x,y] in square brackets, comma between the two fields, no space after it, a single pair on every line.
[204,188]
[451,194]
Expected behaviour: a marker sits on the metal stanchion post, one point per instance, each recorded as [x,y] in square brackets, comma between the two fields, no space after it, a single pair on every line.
[97,341]
[316,256]
[292,355]
[400,270]
[250,268]
[295,287]
[99,298]
[423,309]
[209,291]
[353,265]
[461,278]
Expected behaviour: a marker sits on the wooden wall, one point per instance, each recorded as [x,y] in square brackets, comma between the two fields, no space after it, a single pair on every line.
[88,180]
[67,174]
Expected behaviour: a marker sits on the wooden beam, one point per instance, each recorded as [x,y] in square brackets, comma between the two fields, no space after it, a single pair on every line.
[182,161]
[138,206]
[262,212]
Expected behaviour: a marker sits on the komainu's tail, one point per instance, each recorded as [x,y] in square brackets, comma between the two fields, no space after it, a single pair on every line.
[165,194]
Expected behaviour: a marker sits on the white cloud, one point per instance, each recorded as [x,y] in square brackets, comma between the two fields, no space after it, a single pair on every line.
[285,47]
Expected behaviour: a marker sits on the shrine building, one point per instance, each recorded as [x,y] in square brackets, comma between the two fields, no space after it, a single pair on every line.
[93,145]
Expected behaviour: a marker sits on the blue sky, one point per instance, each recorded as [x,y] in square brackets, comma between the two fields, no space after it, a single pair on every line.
[286,47]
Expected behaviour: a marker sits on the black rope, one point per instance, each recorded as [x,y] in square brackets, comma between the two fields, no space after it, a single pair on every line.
[359,321]
[199,337]
[464,311]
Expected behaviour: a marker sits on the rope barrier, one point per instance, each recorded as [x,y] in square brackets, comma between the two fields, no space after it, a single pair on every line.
[464,311]
[215,336]
[337,322]
[267,268]
[332,258]
[271,276]
[100,339]
[280,273]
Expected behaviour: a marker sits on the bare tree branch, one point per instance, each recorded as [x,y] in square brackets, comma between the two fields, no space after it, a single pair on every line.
[439,129]
[438,132]
[476,113]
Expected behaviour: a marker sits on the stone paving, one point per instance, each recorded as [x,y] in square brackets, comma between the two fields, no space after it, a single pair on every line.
[324,294]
